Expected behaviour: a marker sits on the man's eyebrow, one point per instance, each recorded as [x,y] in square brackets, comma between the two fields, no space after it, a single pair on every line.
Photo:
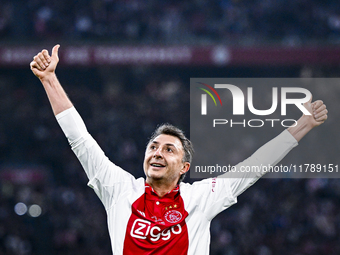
[171,144]
[168,144]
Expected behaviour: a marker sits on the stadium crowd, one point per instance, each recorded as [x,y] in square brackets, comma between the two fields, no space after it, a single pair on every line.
[186,21]
[121,108]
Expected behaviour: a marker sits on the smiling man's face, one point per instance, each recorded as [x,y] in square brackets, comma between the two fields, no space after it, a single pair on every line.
[163,161]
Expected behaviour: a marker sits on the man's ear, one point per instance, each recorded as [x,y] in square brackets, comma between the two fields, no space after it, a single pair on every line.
[185,168]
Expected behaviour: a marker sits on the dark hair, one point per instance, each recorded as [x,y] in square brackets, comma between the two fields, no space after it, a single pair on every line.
[168,129]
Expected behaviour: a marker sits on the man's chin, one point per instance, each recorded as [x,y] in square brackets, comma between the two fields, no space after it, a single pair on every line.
[155,175]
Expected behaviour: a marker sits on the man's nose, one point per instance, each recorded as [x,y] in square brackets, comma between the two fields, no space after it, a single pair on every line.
[158,153]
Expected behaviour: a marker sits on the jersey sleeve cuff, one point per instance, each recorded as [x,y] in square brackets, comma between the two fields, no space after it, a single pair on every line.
[72,124]
[289,138]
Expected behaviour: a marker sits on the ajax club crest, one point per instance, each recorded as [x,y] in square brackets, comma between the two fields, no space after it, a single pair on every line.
[173,216]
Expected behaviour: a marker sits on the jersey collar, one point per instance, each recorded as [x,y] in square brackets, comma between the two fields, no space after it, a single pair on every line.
[151,193]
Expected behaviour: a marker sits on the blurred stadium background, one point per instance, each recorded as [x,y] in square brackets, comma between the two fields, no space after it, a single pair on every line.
[126,65]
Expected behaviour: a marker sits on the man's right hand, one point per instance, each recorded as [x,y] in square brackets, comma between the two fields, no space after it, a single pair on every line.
[43,64]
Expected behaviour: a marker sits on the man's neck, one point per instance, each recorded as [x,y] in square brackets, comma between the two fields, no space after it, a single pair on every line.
[161,188]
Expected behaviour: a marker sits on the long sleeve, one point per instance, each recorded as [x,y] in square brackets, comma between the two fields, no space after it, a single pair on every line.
[103,175]
[213,195]
[268,155]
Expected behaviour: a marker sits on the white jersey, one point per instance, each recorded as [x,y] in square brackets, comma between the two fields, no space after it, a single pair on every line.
[140,222]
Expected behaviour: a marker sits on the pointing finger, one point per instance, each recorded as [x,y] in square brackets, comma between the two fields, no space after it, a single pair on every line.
[42,56]
[46,55]
[317,104]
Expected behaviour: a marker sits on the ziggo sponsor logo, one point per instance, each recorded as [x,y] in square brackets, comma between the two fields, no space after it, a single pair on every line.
[142,229]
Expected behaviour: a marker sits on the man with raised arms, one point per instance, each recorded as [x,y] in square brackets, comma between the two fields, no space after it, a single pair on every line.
[160,214]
